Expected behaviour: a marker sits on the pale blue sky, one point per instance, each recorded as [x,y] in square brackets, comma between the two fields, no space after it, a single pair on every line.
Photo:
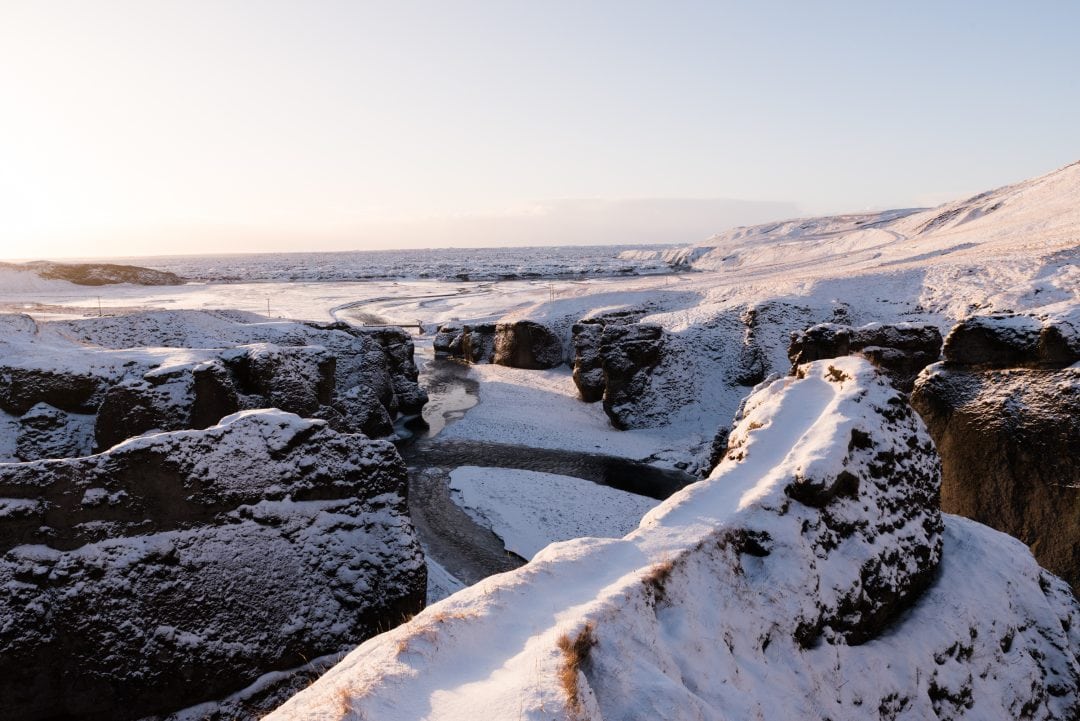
[152,126]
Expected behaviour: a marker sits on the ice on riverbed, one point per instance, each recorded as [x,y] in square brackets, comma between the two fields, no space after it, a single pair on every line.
[529,510]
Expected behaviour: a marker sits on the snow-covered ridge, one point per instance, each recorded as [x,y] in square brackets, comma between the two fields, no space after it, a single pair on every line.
[1038,215]
[37,275]
[787,585]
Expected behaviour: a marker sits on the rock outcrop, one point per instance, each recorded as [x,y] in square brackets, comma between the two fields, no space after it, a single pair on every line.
[517,344]
[613,361]
[629,354]
[1004,411]
[814,559]
[180,567]
[901,350]
[187,370]
[470,343]
[527,344]
[588,362]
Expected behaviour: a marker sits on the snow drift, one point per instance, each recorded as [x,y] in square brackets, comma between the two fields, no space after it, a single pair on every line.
[811,576]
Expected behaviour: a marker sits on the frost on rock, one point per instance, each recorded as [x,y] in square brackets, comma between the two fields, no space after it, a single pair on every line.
[1004,411]
[810,576]
[900,350]
[165,371]
[180,567]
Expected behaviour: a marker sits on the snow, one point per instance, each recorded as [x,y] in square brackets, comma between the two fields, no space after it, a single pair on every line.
[719,645]
[490,651]
[440,582]
[529,510]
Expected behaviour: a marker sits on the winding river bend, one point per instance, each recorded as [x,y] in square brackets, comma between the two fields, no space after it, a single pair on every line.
[466,549]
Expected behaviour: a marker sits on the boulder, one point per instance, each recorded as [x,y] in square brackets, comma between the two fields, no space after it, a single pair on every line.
[629,353]
[294,379]
[360,411]
[527,344]
[901,350]
[1009,438]
[399,352]
[478,343]
[448,339]
[588,363]
[1012,341]
[181,567]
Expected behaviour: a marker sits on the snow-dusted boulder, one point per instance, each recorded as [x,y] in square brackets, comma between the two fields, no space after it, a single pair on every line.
[811,576]
[1012,340]
[628,355]
[472,343]
[478,343]
[180,567]
[527,344]
[588,363]
[901,350]
[1009,437]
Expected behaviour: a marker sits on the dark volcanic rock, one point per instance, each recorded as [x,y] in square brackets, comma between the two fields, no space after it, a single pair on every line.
[399,351]
[361,411]
[1010,341]
[447,340]
[122,374]
[527,344]
[23,388]
[296,379]
[901,350]
[1009,438]
[180,567]
[478,343]
[47,432]
[588,363]
[629,353]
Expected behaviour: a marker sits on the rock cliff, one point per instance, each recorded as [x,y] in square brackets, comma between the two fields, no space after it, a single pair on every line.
[1004,411]
[180,567]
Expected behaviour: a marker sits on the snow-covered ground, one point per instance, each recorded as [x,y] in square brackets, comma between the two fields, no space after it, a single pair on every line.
[530,510]
[696,614]
[1015,248]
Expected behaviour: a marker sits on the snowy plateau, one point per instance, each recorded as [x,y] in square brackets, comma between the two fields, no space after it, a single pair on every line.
[827,468]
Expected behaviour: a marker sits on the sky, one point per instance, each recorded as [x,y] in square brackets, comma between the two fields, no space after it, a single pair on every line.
[149,127]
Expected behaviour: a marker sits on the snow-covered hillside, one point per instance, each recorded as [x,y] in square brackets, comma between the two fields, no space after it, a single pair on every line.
[1037,216]
[788,585]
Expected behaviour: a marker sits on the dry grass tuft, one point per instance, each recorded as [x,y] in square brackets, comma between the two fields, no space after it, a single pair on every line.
[657,577]
[836,375]
[575,654]
[346,704]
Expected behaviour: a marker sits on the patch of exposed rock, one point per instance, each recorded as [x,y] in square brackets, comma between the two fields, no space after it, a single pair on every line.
[518,344]
[470,343]
[901,350]
[180,567]
[1004,411]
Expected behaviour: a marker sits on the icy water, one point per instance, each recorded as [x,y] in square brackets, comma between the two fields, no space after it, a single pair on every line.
[464,548]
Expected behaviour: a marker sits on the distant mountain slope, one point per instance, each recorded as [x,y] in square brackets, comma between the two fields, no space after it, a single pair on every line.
[1038,216]
[94,273]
